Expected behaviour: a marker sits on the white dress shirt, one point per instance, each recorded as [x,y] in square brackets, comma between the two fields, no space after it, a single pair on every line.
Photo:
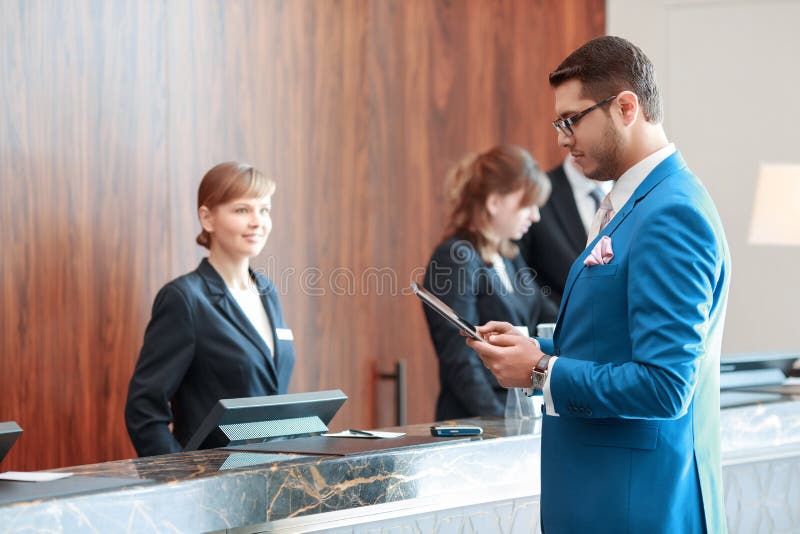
[499,267]
[621,192]
[250,302]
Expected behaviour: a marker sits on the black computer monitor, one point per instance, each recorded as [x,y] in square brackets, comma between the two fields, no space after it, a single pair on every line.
[755,378]
[9,432]
[258,419]
[754,369]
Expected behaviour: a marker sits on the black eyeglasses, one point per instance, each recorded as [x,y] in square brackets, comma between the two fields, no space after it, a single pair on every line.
[564,126]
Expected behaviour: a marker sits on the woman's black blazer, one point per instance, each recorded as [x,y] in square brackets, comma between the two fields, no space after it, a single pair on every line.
[199,347]
[458,276]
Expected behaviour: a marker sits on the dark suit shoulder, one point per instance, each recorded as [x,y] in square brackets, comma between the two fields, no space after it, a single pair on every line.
[561,195]
[176,300]
[187,286]
[192,287]
[455,251]
[204,281]
[558,174]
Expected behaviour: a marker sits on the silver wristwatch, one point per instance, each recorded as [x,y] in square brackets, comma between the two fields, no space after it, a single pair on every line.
[539,373]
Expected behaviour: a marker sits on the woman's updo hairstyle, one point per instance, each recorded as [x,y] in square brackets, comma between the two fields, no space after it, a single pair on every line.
[227,182]
[503,169]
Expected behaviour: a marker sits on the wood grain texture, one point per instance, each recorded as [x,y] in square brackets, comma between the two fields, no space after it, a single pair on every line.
[112,111]
[83,180]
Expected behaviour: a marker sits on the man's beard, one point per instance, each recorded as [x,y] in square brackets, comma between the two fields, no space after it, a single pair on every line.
[607,155]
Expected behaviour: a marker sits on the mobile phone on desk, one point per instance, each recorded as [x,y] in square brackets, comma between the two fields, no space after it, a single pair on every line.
[443,431]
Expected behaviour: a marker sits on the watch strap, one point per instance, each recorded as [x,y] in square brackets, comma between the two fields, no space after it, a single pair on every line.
[539,373]
[542,364]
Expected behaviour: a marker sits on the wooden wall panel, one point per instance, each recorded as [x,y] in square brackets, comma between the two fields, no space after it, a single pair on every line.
[111,113]
[82,171]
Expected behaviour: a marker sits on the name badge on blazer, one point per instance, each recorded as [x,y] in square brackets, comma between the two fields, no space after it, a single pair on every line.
[284,334]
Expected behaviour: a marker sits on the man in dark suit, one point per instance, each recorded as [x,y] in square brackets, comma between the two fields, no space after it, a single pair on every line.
[551,245]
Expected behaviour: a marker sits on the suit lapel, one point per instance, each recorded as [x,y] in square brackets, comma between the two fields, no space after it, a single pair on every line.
[667,167]
[270,302]
[511,301]
[233,313]
[565,211]
[519,305]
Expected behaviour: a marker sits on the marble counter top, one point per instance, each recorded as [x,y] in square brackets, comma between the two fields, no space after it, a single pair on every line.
[222,489]
[769,429]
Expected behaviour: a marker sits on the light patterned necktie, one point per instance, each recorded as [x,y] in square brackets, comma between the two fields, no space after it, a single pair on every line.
[601,218]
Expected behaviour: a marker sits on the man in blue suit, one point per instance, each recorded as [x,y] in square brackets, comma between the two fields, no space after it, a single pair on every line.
[630,439]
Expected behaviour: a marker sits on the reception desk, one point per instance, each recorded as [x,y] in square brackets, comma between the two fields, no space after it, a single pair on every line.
[489,484]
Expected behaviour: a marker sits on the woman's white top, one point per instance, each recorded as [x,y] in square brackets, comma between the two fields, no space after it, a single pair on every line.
[250,302]
[499,266]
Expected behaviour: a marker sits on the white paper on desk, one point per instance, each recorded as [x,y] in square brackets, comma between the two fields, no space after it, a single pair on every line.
[32,476]
[373,434]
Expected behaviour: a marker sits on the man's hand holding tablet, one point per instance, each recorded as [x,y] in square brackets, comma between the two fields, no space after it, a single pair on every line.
[508,354]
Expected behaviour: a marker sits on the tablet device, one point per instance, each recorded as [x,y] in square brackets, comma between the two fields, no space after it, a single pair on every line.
[446,311]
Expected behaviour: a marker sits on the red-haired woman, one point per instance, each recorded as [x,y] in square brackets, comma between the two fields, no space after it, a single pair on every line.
[217,332]
[477,270]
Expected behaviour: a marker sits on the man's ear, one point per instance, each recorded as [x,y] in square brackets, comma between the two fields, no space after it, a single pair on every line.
[206,219]
[629,107]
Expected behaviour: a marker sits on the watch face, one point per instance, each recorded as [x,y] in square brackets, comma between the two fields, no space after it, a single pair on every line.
[538,379]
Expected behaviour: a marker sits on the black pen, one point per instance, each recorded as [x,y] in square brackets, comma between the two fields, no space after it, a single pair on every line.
[360,432]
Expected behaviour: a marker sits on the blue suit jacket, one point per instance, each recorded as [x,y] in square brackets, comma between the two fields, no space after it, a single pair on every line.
[636,445]
[460,278]
[200,347]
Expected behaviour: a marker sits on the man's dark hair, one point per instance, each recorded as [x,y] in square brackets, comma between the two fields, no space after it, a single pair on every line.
[609,65]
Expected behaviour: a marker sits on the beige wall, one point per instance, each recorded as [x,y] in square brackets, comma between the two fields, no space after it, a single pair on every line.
[730,74]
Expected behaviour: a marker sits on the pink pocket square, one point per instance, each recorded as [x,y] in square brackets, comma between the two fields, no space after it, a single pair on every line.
[601,253]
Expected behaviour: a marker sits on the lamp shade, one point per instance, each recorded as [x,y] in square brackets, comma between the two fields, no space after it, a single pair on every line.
[776,208]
